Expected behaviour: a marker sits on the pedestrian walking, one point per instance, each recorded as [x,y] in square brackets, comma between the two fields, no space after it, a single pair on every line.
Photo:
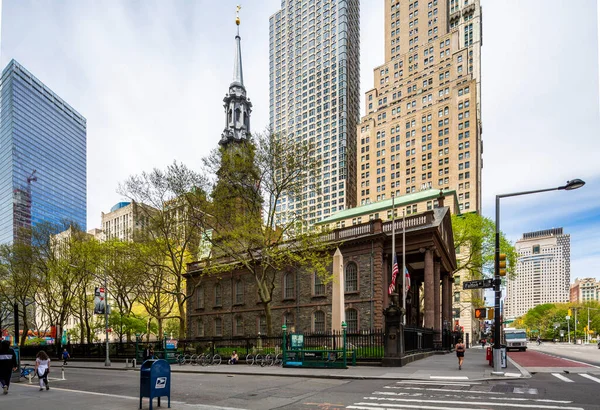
[66,356]
[42,369]
[460,353]
[146,353]
[8,364]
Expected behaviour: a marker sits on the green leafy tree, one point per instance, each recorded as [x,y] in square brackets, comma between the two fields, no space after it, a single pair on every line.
[170,203]
[475,242]
[19,280]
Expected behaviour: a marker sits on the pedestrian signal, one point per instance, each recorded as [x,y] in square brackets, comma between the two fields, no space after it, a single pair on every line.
[480,313]
[490,313]
[502,264]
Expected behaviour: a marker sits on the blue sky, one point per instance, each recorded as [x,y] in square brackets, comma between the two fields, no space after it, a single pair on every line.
[150,77]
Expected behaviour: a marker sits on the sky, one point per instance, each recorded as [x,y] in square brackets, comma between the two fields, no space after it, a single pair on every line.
[150,77]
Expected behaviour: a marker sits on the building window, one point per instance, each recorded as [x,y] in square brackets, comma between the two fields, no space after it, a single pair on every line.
[200,297]
[457,277]
[288,285]
[262,325]
[457,297]
[319,321]
[239,292]
[200,328]
[218,326]
[288,321]
[351,280]
[319,289]
[536,249]
[218,294]
[352,320]
[239,326]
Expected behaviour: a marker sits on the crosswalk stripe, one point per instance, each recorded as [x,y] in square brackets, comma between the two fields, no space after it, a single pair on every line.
[445,382]
[448,377]
[561,377]
[587,376]
[444,390]
[402,403]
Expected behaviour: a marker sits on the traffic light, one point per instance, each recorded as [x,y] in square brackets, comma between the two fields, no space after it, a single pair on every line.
[490,313]
[480,313]
[502,264]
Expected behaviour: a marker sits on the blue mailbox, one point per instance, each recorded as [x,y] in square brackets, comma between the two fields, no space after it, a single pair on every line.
[155,380]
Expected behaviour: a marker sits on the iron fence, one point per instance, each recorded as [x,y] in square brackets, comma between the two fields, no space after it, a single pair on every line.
[367,345]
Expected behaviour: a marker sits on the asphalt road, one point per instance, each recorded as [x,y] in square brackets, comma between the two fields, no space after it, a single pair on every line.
[110,389]
[589,354]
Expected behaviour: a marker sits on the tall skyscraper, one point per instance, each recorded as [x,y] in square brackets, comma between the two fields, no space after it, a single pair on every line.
[543,273]
[42,155]
[314,98]
[422,127]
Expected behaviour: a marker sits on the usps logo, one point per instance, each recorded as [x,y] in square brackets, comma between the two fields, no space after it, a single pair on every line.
[161,383]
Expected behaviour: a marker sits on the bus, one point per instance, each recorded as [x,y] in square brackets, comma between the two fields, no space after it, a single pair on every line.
[515,339]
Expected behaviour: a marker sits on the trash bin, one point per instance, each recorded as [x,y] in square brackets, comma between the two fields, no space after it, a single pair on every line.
[489,356]
[155,381]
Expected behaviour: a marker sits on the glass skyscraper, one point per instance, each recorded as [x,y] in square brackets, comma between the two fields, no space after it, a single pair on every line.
[42,156]
[314,98]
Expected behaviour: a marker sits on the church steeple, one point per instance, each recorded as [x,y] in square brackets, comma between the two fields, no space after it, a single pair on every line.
[237,106]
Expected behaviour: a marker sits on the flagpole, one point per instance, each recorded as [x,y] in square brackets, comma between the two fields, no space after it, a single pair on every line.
[393,235]
[403,267]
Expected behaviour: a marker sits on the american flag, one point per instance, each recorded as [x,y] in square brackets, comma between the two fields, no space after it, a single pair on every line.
[407,279]
[394,274]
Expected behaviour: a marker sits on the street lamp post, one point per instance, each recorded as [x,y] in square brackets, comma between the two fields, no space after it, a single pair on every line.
[570,185]
[107,359]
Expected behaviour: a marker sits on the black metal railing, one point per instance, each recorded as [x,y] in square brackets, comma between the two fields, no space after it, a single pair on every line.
[417,339]
[366,345]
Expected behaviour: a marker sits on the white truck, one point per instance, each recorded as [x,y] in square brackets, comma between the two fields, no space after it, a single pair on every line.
[515,339]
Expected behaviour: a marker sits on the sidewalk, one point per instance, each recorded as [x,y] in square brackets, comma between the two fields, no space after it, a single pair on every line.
[436,367]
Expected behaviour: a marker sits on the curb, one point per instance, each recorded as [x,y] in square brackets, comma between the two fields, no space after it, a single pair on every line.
[311,376]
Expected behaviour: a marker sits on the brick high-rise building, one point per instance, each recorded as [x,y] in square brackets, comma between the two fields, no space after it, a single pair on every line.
[315,98]
[422,127]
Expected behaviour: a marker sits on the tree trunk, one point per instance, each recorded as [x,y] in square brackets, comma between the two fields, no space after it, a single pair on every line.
[160,328]
[269,318]
[88,329]
[25,325]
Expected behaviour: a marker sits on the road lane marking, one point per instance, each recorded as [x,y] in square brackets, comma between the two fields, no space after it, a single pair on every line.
[561,377]
[198,406]
[587,376]
[448,377]
[480,403]
[446,390]
[449,383]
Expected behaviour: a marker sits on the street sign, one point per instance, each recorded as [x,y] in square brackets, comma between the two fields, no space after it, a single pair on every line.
[478,284]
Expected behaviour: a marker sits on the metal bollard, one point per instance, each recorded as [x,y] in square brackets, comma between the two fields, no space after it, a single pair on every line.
[62,372]
[126,362]
[30,376]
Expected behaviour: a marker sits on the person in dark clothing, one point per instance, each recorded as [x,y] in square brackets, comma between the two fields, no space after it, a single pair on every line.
[8,364]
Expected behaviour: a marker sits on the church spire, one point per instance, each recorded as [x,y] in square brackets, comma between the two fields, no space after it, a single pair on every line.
[238,74]
[237,106]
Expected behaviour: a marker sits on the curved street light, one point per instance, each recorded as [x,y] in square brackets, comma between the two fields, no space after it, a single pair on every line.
[569,186]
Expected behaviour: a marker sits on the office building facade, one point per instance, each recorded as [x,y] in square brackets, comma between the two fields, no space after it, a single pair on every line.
[543,272]
[584,290]
[314,99]
[43,156]
[422,127]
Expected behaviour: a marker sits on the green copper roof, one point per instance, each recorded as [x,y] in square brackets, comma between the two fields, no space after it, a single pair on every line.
[386,204]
